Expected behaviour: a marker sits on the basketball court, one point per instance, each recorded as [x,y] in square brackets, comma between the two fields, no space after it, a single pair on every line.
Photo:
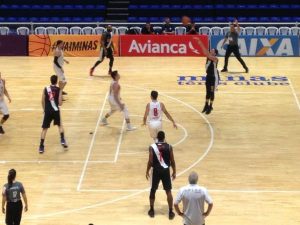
[246,151]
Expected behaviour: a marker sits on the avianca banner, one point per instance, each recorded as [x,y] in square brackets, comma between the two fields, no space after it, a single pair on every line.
[74,45]
[261,45]
[160,45]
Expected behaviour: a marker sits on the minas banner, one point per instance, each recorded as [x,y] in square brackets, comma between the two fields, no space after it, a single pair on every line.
[160,45]
[261,45]
[74,45]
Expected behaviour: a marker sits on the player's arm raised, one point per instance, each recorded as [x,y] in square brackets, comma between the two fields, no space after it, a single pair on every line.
[146,114]
[168,115]
[237,25]
[205,50]
[173,164]
[150,163]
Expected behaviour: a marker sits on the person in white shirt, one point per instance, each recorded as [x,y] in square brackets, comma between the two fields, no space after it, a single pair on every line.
[154,111]
[193,198]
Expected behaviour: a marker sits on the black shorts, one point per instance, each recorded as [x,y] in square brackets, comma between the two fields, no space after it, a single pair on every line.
[210,80]
[49,116]
[109,53]
[162,175]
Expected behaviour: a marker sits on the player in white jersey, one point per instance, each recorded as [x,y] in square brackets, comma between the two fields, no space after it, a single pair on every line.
[115,101]
[58,64]
[154,111]
[3,106]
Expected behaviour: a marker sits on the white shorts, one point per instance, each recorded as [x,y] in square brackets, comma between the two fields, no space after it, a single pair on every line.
[3,108]
[60,74]
[113,105]
[154,127]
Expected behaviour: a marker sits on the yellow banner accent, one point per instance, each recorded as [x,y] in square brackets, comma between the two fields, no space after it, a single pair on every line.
[74,45]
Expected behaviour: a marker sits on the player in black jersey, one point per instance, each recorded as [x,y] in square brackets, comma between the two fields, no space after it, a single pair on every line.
[161,158]
[51,100]
[106,50]
[212,76]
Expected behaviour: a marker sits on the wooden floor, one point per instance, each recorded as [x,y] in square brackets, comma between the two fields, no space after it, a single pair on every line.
[246,151]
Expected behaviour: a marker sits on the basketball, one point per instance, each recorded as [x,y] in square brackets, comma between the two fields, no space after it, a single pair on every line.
[40,45]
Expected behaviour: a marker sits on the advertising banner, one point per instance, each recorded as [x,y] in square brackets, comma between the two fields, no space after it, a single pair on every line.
[261,45]
[161,45]
[13,45]
[74,45]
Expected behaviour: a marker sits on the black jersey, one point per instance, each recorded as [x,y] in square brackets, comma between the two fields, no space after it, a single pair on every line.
[164,153]
[211,67]
[107,39]
[53,94]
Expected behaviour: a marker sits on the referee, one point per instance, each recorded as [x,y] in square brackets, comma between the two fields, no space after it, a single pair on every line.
[232,37]
[161,157]
[11,195]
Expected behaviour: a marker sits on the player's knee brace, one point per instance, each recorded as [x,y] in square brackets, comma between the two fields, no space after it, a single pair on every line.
[152,193]
[126,113]
[5,117]
[212,95]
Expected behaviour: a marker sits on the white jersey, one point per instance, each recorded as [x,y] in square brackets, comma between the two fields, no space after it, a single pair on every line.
[60,59]
[111,93]
[155,111]
[1,90]
[193,198]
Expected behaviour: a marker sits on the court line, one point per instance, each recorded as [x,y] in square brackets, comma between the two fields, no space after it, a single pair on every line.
[209,190]
[210,129]
[146,189]
[92,143]
[294,93]
[85,207]
[119,142]
[98,161]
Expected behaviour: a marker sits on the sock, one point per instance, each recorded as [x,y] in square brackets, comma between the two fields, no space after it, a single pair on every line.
[42,142]
[62,135]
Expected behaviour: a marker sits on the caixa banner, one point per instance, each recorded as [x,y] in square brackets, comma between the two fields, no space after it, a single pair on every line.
[261,45]
[159,45]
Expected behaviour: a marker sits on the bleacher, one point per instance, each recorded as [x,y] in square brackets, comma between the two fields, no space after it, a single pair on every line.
[52,11]
[215,10]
